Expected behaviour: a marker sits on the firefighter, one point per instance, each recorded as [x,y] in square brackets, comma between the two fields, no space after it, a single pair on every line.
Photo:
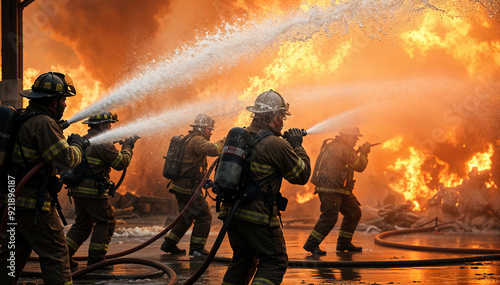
[40,138]
[94,213]
[255,232]
[194,167]
[334,180]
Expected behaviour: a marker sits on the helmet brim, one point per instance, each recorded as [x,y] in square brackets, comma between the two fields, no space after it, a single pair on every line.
[30,94]
[351,134]
[89,122]
[255,110]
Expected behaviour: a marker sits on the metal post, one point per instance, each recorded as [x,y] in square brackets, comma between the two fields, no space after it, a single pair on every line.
[12,71]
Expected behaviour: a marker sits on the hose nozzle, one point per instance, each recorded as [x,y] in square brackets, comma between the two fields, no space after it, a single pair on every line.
[64,124]
[286,133]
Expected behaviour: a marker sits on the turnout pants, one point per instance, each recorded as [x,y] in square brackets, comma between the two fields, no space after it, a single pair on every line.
[46,239]
[96,214]
[331,205]
[251,242]
[200,214]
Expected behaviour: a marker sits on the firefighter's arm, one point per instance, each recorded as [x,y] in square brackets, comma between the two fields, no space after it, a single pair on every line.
[54,148]
[354,161]
[296,164]
[118,160]
[207,148]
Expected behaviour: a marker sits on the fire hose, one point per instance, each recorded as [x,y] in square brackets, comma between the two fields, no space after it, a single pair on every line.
[215,247]
[167,270]
[124,172]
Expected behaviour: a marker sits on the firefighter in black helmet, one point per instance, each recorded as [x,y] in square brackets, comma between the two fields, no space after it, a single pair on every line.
[40,138]
[334,180]
[94,214]
[255,232]
[196,150]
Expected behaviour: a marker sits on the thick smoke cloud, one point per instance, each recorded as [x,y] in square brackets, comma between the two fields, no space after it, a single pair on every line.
[110,38]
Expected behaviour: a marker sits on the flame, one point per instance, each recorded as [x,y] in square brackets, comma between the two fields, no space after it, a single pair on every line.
[429,34]
[490,184]
[413,182]
[481,161]
[393,144]
[307,196]
[29,76]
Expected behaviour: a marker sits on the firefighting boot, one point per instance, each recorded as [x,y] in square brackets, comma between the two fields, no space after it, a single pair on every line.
[346,245]
[94,260]
[171,248]
[313,248]
[198,252]
[73,265]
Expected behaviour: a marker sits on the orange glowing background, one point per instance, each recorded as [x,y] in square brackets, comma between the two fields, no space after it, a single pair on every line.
[423,80]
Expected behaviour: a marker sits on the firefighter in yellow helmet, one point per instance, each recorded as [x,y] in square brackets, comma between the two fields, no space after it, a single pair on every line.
[196,150]
[41,138]
[255,232]
[334,180]
[94,214]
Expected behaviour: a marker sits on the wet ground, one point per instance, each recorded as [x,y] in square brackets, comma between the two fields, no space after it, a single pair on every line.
[307,269]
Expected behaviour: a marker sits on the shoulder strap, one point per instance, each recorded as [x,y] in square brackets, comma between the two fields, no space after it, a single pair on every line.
[22,119]
[185,141]
[255,138]
[315,174]
[325,143]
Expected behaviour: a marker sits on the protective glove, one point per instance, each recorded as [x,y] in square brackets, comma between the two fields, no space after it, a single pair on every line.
[131,141]
[294,137]
[64,124]
[76,139]
[365,148]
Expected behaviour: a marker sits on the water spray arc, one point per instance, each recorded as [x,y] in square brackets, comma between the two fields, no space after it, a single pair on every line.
[165,121]
[336,122]
[233,43]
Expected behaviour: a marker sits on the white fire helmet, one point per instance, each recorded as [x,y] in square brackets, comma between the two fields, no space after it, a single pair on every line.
[269,101]
[202,121]
[353,131]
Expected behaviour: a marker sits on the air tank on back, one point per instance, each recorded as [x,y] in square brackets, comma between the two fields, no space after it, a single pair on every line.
[232,161]
[9,117]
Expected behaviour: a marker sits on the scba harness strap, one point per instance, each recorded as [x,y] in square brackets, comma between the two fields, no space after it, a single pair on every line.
[249,189]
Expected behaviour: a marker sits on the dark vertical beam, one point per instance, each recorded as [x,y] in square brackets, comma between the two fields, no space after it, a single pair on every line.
[10,39]
[20,53]
[12,53]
